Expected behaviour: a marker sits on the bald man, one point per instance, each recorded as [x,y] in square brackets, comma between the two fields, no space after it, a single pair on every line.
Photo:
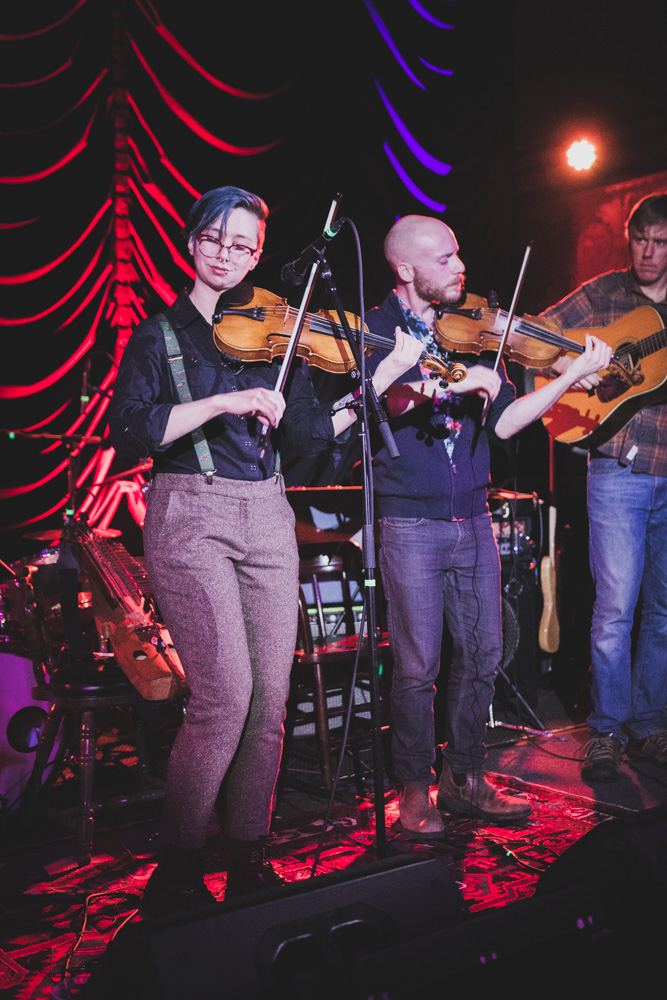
[438,555]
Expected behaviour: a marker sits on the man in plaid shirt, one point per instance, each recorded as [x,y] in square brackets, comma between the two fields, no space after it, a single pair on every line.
[627,509]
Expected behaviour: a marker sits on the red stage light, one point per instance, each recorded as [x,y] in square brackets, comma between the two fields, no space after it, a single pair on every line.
[581,155]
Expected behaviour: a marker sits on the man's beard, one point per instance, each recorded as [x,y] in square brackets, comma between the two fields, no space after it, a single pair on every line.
[433,293]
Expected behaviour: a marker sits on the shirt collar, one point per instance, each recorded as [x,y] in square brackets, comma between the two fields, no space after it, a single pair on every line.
[416,325]
[632,288]
[184,312]
[420,329]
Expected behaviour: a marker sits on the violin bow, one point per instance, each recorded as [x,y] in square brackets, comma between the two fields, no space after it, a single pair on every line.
[510,318]
[293,342]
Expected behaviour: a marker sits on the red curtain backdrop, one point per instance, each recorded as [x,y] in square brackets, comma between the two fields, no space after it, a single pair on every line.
[116,114]
[115,117]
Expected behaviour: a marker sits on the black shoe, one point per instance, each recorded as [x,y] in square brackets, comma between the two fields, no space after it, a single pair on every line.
[603,759]
[176,885]
[248,870]
[653,747]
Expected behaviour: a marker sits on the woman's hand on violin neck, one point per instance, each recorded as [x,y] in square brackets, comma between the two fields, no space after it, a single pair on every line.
[265,404]
[404,355]
[481,381]
[582,372]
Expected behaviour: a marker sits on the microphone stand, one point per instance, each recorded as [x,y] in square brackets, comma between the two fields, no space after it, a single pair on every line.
[369,403]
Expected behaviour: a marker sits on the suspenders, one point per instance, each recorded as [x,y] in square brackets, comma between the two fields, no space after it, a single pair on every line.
[175,358]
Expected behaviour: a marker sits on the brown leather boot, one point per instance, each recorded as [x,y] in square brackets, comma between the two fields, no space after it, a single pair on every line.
[248,870]
[418,815]
[472,795]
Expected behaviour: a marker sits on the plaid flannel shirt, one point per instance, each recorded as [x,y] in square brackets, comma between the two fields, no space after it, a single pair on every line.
[599,302]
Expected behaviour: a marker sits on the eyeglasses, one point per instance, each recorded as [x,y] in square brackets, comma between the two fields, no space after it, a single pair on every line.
[211,247]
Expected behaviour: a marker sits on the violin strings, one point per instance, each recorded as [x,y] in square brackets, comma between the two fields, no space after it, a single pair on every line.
[548,336]
[321,325]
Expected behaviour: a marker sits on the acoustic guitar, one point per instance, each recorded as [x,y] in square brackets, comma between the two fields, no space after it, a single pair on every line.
[636,378]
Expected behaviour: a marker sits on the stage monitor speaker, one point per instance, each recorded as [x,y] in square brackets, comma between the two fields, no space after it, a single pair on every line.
[582,941]
[593,924]
[629,853]
[302,941]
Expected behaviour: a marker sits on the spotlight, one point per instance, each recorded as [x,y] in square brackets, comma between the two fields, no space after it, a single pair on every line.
[581,155]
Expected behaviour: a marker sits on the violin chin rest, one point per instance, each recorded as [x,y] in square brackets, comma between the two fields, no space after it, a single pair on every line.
[240,295]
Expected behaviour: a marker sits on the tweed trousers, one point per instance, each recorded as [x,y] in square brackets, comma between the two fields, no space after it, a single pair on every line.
[223,564]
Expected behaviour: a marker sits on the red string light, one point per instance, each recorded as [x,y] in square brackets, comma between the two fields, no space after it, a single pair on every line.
[138,213]
[47,28]
[23,320]
[191,121]
[58,165]
[20,279]
[154,18]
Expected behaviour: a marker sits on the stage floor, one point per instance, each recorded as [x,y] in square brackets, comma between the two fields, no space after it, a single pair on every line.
[58,918]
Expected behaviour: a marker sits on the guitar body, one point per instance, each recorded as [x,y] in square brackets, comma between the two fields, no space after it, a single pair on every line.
[590,418]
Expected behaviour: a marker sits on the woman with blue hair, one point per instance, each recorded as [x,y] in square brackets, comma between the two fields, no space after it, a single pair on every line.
[220,545]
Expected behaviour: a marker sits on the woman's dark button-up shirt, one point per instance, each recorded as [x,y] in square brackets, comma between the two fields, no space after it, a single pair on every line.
[145,393]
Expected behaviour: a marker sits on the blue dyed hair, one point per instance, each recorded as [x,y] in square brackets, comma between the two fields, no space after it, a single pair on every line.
[217,204]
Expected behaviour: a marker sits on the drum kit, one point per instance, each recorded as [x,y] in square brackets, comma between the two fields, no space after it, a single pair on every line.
[31,622]
[32,639]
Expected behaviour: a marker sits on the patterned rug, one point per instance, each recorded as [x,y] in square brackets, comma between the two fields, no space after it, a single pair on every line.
[55,929]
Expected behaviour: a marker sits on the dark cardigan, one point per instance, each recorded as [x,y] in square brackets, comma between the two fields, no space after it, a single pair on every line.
[423,481]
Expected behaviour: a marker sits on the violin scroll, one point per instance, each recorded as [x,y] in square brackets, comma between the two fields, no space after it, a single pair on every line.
[454,372]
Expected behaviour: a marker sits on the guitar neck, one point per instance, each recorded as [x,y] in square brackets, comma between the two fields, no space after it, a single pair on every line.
[552,534]
[645,347]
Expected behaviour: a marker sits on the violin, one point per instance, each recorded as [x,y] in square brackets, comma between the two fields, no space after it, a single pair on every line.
[476,327]
[260,330]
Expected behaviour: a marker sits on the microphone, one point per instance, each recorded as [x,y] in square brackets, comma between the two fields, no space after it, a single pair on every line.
[85,387]
[294,272]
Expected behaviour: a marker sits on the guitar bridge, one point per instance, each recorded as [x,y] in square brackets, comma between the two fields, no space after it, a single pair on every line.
[614,384]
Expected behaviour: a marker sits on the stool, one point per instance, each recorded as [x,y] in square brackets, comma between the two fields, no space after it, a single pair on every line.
[334,569]
[74,705]
[320,669]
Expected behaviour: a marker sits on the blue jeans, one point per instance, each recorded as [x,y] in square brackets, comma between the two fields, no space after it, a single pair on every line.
[628,554]
[432,571]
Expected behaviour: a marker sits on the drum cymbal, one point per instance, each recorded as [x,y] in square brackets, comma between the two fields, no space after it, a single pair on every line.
[54,534]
